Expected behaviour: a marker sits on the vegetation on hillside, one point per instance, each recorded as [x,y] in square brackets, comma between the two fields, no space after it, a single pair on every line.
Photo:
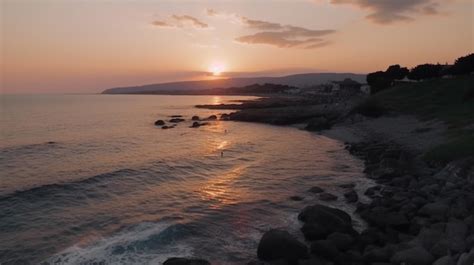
[448,100]
[382,80]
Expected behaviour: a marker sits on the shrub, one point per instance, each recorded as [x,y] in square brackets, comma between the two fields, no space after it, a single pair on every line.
[463,65]
[425,71]
[378,81]
[370,108]
[395,72]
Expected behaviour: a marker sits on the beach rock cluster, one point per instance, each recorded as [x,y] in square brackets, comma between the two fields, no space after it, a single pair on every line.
[417,216]
[175,119]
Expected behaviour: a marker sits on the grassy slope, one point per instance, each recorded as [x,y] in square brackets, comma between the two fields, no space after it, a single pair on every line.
[448,100]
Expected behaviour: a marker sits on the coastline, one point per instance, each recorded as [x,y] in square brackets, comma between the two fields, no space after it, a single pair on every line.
[418,213]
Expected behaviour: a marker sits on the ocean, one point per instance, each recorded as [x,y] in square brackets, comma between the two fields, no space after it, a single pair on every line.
[89,179]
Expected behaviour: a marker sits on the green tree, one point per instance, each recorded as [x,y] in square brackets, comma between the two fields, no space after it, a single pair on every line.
[425,71]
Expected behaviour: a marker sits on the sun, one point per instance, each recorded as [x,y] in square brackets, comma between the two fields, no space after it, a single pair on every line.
[216,69]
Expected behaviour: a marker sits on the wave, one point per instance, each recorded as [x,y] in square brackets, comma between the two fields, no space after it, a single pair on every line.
[158,172]
[29,148]
[145,243]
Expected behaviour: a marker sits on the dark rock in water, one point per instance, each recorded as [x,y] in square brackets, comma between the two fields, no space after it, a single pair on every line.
[351,196]
[372,190]
[327,196]
[186,261]
[413,256]
[51,142]
[320,221]
[225,117]
[159,122]
[176,116]
[195,118]
[316,189]
[198,124]
[347,185]
[212,118]
[167,127]
[176,120]
[296,198]
[318,124]
[278,244]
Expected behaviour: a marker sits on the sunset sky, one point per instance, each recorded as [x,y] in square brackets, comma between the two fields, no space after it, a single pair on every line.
[86,46]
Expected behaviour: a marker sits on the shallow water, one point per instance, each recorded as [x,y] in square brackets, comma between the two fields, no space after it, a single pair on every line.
[89,178]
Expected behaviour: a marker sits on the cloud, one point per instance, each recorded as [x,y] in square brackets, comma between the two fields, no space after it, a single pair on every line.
[259,24]
[275,34]
[190,20]
[284,36]
[391,11]
[160,23]
[181,21]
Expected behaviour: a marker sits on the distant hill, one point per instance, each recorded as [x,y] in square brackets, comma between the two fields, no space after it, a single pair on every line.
[299,80]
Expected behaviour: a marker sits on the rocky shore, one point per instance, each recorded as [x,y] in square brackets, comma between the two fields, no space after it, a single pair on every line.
[417,215]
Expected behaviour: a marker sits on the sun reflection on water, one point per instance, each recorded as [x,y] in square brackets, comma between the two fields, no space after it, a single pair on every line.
[216,100]
[219,190]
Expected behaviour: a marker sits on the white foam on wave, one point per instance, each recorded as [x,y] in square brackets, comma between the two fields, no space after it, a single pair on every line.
[104,251]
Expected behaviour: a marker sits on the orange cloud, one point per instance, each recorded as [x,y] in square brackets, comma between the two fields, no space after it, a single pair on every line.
[390,11]
[179,21]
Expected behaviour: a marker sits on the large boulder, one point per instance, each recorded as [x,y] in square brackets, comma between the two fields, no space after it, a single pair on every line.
[341,241]
[413,256]
[195,118]
[278,244]
[320,221]
[466,258]
[186,261]
[325,249]
[446,260]
[435,209]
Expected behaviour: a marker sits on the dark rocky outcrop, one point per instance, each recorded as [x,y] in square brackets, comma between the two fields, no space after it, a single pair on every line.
[325,196]
[351,196]
[316,189]
[320,221]
[176,120]
[159,122]
[197,124]
[195,118]
[280,245]
[186,261]
[413,256]
[225,117]
[296,198]
[211,118]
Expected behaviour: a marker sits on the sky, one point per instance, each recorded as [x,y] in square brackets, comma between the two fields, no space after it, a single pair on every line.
[85,46]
